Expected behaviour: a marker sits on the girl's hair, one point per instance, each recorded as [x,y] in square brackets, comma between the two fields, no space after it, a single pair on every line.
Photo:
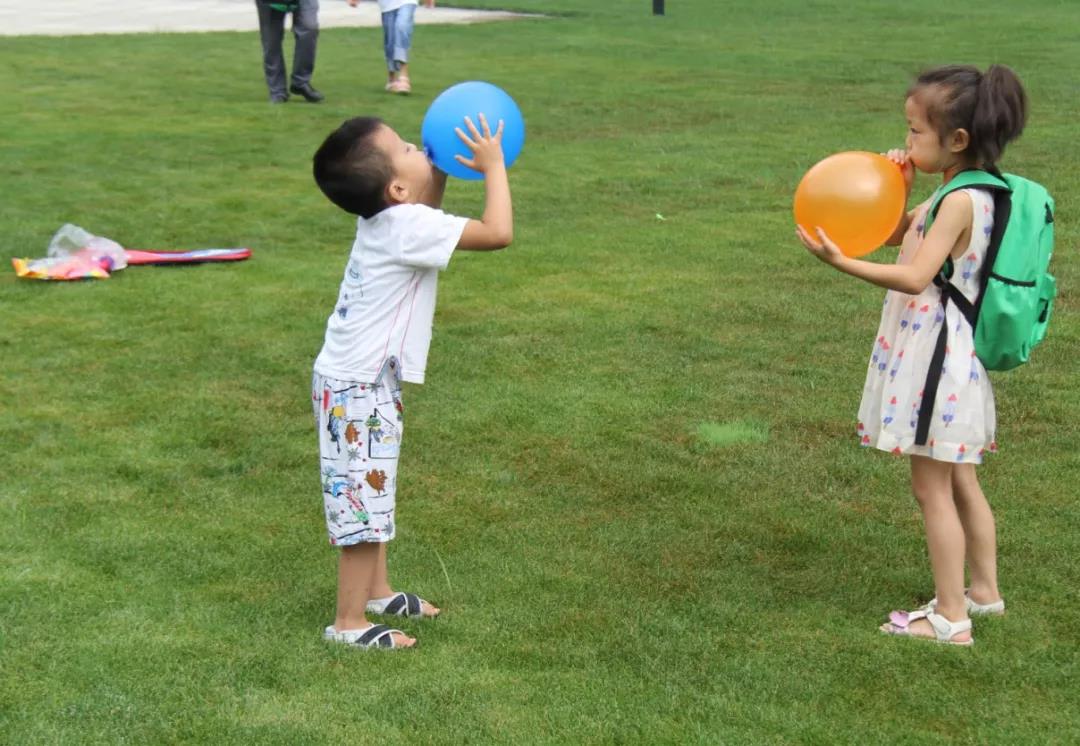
[991,106]
[351,170]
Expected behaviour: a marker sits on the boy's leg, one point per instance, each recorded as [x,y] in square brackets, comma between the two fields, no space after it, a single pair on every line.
[357,572]
[931,481]
[980,533]
[380,582]
[381,588]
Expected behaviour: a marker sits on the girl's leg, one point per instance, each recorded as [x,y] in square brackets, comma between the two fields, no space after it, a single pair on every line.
[980,532]
[357,572]
[403,30]
[388,24]
[931,481]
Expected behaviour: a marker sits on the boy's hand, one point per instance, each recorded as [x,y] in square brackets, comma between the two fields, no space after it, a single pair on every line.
[486,147]
[907,168]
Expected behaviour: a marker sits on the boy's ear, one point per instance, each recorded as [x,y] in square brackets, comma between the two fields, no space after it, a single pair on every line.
[396,192]
[959,140]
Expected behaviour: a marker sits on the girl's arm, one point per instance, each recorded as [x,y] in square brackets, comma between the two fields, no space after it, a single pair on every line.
[897,236]
[949,231]
[907,168]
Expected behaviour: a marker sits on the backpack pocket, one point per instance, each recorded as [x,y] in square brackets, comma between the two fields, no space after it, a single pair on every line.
[1046,305]
[1012,319]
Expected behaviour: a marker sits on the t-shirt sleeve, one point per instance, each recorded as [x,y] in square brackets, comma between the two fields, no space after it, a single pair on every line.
[429,236]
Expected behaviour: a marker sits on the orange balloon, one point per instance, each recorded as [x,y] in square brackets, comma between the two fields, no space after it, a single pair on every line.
[856,197]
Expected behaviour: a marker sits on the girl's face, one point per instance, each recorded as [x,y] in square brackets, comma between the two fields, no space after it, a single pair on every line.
[923,144]
[929,151]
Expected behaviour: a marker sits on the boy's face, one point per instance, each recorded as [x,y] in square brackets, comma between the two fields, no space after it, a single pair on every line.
[413,172]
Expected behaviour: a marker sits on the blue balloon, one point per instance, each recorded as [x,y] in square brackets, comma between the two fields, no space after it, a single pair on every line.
[449,110]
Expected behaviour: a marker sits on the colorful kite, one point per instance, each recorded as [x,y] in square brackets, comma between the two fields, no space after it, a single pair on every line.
[76,254]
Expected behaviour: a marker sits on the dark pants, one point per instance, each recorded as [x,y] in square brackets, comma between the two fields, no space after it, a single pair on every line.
[305,27]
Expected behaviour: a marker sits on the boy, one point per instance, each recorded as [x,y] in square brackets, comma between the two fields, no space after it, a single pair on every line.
[378,335]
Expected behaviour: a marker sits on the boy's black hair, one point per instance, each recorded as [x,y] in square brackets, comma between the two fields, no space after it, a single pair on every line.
[351,171]
[991,106]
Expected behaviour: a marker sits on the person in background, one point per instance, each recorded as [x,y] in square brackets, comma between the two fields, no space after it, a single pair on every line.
[397,22]
[305,28]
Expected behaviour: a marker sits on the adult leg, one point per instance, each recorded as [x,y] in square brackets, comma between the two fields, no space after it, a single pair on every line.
[980,533]
[356,580]
[931,481]
[305,29]
[271,31]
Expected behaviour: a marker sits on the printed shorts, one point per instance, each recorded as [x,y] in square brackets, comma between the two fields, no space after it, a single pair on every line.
[359,427]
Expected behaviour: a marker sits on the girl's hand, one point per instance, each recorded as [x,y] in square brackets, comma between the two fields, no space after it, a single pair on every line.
[823,248]
[907,168]
[486,148]
[353,3]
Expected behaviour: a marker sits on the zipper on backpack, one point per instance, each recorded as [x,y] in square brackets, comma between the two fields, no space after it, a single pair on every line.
[1008,281]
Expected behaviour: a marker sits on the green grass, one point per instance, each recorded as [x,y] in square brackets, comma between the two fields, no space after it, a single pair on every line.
[728,433]
[606,576]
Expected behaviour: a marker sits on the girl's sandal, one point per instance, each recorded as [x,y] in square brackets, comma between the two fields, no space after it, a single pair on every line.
[400,604]
[369,638]
[997,608]
[899,624]
[401,85]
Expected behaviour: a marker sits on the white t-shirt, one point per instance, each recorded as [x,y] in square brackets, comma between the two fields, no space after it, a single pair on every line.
[385,6]
[386,303]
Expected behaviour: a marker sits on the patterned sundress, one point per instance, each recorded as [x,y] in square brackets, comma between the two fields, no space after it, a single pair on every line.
[962,427]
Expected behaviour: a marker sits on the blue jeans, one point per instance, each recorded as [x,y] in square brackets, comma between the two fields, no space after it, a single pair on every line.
[397,26]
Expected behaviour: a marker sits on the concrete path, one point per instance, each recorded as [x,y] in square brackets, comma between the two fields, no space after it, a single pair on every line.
[71,17]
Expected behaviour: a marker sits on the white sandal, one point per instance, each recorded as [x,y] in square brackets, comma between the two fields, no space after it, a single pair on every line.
[899,624]
[997,608]
[400,604]
[372,637]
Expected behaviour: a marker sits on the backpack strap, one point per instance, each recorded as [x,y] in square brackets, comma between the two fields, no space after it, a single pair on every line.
[995,182]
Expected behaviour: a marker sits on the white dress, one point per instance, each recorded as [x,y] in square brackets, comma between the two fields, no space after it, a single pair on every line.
[963,422]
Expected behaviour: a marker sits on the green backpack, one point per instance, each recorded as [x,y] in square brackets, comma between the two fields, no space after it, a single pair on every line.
[1016,290]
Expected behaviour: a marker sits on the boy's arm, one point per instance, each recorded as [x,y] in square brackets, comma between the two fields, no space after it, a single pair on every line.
[495,230]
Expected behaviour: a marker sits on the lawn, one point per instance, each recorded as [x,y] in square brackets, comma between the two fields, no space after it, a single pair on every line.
[631,479]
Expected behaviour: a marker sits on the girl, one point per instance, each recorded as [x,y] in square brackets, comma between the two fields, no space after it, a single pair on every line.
[397,22]
[958,119]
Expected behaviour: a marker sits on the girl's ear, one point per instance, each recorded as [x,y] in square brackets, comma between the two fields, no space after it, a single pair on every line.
[959,141]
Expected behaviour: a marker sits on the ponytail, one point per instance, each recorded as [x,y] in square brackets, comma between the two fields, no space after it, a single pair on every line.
[1000,113]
